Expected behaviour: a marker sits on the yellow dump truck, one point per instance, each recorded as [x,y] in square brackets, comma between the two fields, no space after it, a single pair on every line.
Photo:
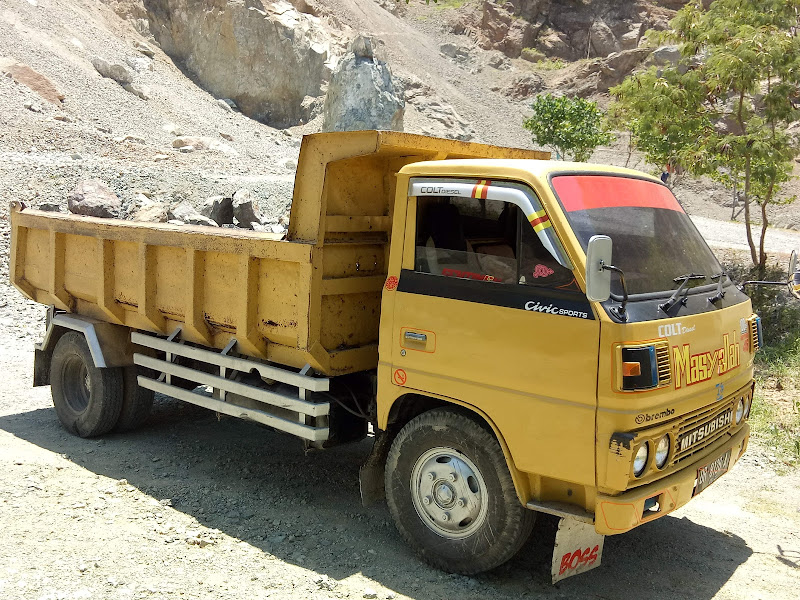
[458,300]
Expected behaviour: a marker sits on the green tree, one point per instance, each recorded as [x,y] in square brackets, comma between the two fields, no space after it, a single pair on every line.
[723,110]
[573,127]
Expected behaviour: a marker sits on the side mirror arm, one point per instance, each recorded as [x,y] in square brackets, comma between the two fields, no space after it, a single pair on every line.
[618,311]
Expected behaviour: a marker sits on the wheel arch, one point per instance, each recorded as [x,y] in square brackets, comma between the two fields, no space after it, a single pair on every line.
[109,344]
[407,406]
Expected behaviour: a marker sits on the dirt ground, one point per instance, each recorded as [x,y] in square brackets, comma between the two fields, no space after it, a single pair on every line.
[194,507]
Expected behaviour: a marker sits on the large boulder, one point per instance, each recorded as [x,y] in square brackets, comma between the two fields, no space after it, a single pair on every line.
[363,94]
[94,198]
[266,56]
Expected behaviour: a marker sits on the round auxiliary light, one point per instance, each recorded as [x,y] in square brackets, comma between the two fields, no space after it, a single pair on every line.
[739,410]
[662,451]
[640,460]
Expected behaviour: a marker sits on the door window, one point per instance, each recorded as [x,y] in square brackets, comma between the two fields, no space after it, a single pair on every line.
[484,240]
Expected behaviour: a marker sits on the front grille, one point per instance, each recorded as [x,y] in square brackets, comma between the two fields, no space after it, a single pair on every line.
[701,418]
[662,362]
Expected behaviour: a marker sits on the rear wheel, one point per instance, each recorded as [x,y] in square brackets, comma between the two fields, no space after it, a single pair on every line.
[136,401]
[88,400]
[451,495]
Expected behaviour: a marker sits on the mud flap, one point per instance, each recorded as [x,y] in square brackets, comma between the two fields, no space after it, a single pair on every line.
[578,548]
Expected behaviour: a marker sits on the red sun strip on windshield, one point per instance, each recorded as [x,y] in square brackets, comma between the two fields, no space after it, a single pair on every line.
[583,192]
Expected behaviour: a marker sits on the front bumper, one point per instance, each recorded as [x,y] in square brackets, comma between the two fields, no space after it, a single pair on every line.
[618,514]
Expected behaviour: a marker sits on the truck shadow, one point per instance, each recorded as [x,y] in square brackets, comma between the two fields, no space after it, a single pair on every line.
[259,486]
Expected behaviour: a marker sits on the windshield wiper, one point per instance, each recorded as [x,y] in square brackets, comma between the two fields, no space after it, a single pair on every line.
[720,292]
[673,300]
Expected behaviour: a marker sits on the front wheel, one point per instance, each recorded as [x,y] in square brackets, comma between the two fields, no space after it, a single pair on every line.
[451,495]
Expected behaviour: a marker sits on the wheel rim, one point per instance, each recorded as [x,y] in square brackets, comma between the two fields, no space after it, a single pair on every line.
[448,493]
[77,384]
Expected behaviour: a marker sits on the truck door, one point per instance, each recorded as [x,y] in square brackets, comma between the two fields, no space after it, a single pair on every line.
[487,311]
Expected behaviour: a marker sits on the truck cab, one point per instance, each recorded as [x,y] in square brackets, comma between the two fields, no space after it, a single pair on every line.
[610,411]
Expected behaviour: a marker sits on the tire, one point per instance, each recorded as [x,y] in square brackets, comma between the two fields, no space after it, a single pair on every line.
[486,524]
[136,401]
[88,400]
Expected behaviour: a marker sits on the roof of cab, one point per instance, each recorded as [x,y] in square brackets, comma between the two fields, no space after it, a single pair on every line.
[515,169]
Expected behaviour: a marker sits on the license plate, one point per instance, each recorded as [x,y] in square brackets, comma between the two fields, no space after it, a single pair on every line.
[708,474]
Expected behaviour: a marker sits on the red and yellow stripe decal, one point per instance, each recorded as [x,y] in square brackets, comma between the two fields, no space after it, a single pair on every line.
[481,189]
[539,220]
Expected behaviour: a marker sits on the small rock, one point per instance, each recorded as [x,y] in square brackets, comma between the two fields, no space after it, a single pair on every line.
[230,103]
[139,64]
[245,210]
[94,198]
[142,91]
[130,138]
[75,156]
[290,164]
[219,209]
[200,220]
[200,143]
[226,136]
[115,71]
[144,49]
[33,106]
[103,129]
[370,593]
[161,157]
[50,206]
[186,149]
[172,129]
[224,106]
[165,502]
[62,118]
[276,228]
[151,212]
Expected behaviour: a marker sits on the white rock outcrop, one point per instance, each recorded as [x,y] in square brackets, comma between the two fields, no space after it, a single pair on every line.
[266,56]
[363,94]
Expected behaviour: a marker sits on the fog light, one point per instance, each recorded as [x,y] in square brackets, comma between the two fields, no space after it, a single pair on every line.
[640,460]
[662,451]
[739,410]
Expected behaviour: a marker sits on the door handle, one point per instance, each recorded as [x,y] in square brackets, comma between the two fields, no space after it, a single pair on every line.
[416,337]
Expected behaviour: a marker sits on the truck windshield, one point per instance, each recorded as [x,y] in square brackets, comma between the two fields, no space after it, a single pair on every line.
[654,239]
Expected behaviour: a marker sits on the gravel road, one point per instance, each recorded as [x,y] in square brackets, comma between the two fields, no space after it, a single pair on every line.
[730,234]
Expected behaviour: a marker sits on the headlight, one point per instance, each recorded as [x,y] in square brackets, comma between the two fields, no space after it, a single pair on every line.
[739,410]
[662,452]
[640,460]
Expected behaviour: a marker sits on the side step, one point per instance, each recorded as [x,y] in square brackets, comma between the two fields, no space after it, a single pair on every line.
[292,412]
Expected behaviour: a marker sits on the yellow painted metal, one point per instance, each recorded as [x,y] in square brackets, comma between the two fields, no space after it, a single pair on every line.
[312,298]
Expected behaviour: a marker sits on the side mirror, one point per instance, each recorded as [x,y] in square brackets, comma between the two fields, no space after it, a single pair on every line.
[598,279]
[794,276]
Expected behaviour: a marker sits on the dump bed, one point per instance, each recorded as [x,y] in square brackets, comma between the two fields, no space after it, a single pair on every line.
[313,298]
